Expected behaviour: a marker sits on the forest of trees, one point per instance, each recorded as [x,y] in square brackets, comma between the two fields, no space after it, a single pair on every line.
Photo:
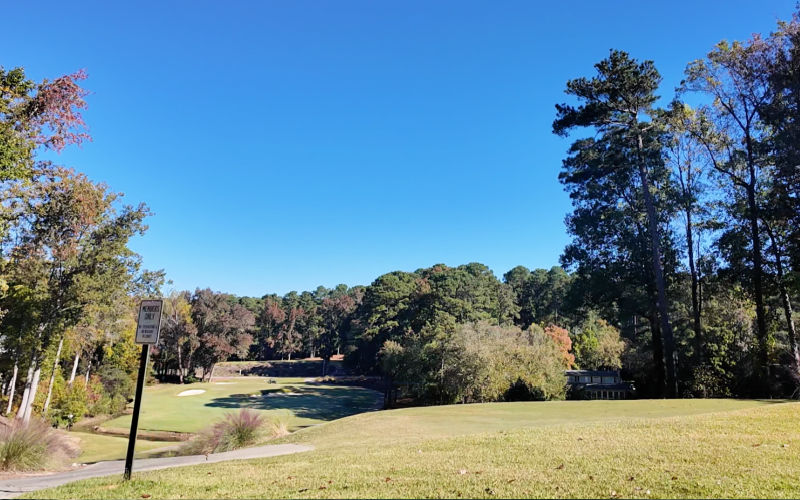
[682,271]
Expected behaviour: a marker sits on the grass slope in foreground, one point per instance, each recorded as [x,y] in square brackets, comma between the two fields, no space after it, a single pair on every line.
[635,449]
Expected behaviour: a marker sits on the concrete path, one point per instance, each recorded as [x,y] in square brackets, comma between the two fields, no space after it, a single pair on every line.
[10,488]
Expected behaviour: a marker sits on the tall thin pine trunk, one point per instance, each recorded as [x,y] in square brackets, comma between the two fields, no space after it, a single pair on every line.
[758,286]
[698,333]
[658,275]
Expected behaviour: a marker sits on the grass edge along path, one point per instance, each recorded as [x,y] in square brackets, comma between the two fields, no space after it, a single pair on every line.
[747,452]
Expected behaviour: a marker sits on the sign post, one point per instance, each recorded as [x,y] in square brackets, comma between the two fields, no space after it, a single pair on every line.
[147,329]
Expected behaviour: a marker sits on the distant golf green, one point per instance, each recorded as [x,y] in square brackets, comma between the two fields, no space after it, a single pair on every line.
[584,449]
[303,404]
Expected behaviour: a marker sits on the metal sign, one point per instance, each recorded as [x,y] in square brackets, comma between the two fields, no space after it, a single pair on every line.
[146,334]
[149,322]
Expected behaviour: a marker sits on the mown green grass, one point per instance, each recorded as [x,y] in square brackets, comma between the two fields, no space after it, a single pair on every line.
[97,447]
[163,410]
[637,449]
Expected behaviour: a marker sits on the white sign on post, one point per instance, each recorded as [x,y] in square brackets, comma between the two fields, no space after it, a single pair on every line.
[149,322]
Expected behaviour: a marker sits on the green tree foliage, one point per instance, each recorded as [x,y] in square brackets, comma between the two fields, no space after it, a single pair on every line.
[34,115]
[597,345]
[542,296]
[434,299]
[477,362]
[67,248]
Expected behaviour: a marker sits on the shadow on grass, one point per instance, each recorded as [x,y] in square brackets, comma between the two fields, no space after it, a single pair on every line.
[319,403]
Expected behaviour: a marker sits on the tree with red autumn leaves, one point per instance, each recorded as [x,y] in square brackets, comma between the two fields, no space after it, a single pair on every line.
[38,115]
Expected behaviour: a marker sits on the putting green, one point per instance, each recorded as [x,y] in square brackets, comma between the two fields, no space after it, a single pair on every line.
[303,404]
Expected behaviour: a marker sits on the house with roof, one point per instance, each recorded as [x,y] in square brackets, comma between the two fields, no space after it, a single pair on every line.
[598,384]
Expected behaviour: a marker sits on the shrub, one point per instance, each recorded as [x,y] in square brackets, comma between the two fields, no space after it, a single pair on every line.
[480,362]
[31,446]
[236,430]
[70,404]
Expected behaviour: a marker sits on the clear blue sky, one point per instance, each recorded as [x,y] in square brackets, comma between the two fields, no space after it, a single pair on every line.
[288,144]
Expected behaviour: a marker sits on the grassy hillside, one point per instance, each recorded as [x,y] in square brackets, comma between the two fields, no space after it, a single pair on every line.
[639,449]
[304,404]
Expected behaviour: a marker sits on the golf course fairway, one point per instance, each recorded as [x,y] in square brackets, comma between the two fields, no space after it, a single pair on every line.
[636,449]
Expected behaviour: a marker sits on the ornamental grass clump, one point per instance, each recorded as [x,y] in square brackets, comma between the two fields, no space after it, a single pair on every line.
[236,430]
[279,425]
[32,446]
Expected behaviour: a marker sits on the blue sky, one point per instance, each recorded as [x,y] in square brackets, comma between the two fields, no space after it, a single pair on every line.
[288,144]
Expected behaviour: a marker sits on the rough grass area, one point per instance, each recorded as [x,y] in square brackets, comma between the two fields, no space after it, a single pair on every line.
[32,446]
[96,447]
[597,449]
[307,404]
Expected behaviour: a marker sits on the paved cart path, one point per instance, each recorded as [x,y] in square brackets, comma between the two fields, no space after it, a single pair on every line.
[10,488]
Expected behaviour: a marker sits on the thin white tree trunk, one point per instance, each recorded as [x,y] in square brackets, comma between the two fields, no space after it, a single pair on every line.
[53,376]
[180,364]
[11,386]
[27,391]
[88,369]
[26,417]
[74,367]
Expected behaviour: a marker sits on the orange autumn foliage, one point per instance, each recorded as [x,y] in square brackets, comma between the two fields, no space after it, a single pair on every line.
[564,343]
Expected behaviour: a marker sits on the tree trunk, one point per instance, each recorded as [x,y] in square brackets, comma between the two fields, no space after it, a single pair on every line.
[658,351]
[12,386]
[180,364]
[26,416]
[658,275]
[785,300]
[88,369]
[74,367]
[758,287]
[27,390]
[698,334]
[53,376]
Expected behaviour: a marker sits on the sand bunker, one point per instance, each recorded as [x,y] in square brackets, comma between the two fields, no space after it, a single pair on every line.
[191,392]
[273,394]
[224,383]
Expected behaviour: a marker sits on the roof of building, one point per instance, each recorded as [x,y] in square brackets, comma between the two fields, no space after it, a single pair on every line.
[593,373]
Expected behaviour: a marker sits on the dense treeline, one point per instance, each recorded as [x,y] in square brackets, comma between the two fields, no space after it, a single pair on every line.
[685,219]
[428,332]
[69,281]
[683,269]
